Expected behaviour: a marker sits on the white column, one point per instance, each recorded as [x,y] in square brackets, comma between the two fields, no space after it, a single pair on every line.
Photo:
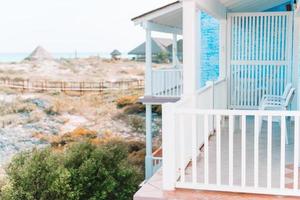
[174,49]
[296,104]
[149,158]
[222,49]
[168,146]
[148,72]
[191,48]
[224,56]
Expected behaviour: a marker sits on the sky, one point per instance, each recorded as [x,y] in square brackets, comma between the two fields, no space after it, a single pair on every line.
[68,25]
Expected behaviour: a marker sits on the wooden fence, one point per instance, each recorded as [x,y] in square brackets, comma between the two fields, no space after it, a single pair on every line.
[64,86]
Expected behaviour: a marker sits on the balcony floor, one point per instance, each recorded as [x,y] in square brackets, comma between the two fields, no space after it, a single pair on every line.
[249,157]
[153,188]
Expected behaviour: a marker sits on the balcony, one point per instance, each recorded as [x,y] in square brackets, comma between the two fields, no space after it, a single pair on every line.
[167,82]
[207,147]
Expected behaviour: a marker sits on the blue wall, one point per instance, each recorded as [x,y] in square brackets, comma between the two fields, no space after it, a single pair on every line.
[210,45]
[210,48]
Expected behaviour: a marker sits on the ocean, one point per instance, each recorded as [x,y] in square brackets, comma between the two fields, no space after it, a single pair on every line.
[17,57]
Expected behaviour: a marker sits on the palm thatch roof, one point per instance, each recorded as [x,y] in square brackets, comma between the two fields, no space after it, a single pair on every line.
[115,53]
[39,53]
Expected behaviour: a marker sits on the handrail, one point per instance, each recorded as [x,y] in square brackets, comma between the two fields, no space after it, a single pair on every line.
[206,87]
[167,69]
[236,112]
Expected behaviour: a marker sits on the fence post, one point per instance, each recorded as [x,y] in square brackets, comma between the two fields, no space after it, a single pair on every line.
[28,84]
[61,86]
[81,88]
[168,145]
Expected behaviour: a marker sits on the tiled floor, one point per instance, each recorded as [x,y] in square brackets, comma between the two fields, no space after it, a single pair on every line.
[152,190]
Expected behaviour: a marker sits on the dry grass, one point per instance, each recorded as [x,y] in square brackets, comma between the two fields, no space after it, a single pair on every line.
[17,106]
[59,106]
[126,101]
[137,108]
[59,141]
[137,123]
[81,132]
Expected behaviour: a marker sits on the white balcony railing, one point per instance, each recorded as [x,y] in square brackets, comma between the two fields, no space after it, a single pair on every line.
[207,147]
[167,82]
[157,163]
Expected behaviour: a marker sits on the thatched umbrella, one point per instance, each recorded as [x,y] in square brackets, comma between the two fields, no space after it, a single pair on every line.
[115,55]
[39,54]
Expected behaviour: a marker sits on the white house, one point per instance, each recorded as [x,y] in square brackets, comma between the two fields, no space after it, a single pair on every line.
[239,133]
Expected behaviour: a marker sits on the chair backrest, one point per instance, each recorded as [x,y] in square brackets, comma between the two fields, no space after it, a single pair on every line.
[287,89]
[289,97]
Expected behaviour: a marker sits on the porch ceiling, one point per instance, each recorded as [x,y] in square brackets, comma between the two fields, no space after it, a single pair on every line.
[171,15]
[172,19]
[251,5]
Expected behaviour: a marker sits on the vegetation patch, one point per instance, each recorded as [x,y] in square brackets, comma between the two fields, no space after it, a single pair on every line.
[16,107]
[83,171]
[136,108]
[126,101]
[137,123]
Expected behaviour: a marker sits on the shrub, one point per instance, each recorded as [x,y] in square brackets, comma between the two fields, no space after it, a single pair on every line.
[83,171]
[51,111]
[126,100]
[157,109]
[137,124]
[3,183]
[162,57]
[78,134]
[58,107]
[137,108]
[38,175]
[17,106]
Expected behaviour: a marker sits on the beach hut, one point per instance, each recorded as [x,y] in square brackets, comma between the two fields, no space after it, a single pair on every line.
[115,55]
[39,53]
[159,50]
[178,49]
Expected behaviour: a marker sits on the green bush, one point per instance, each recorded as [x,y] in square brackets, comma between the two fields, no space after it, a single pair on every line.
[162,57]
[84,171]
[137,123]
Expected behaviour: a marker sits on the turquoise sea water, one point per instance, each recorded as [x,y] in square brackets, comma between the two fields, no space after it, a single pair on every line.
[17,57]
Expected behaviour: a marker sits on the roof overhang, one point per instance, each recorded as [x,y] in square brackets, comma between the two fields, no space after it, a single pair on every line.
[251,5]
[167,18]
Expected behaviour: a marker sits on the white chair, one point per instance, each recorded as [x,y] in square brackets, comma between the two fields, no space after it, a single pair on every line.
[275,101]
[272,102]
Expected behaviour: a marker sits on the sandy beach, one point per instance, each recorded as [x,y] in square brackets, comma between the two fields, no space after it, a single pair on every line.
[36,119]
[82,69]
